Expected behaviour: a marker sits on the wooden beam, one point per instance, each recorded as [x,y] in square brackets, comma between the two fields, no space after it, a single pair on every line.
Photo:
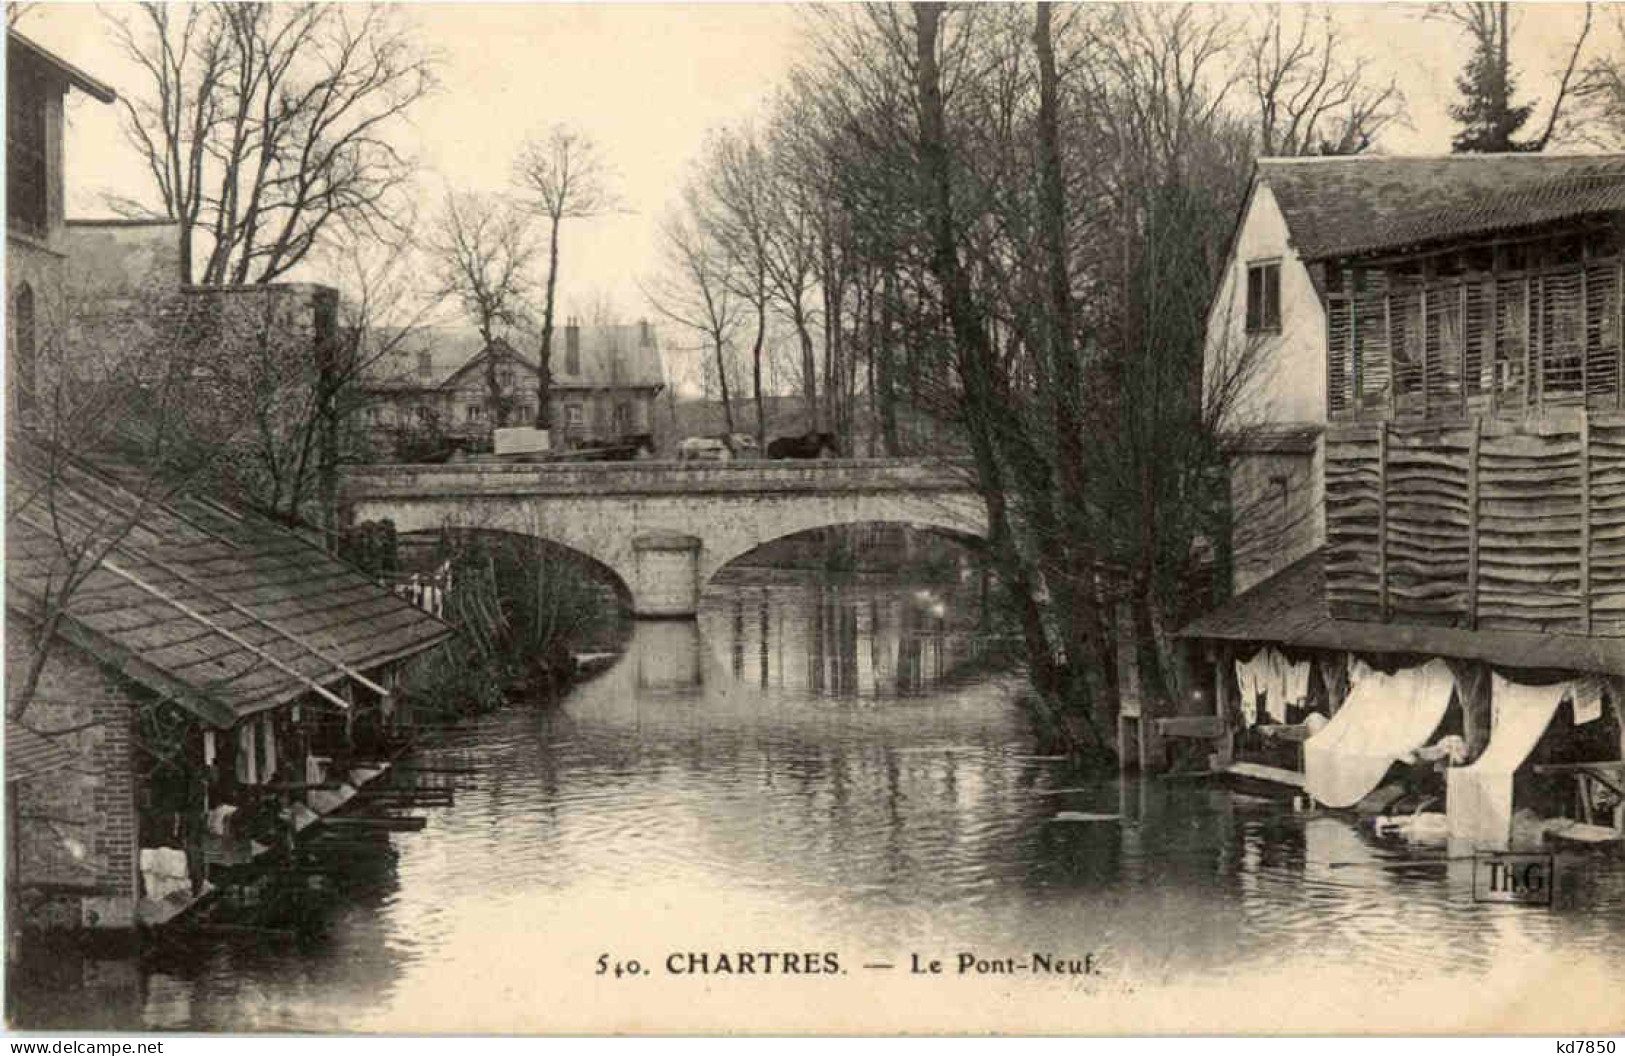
[1464,338]
[243,610]
[1472,523]
[235,639]
[1528,344]
[1585,334]
[1382,520]
[1585,520]
[1422,295]
[1494,350]
[1356,361]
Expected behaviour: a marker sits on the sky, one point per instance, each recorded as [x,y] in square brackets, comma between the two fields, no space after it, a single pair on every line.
[648,80]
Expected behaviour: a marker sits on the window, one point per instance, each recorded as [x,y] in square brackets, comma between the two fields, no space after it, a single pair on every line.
[575,416]
[25,347]
[425,365]
[27,176]
[1264,297]
[623,418]
[424,415]
[475,412]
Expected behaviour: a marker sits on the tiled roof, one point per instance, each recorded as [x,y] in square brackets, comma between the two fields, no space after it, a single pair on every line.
[1335,205]
[28,755]
[222,609]
[1280,439]
[610,356]
[1564,198]
[1289,608]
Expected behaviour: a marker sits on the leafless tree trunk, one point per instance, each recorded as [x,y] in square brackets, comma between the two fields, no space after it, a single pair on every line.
[265,125]
[483,252]
[695,290]
[564,178]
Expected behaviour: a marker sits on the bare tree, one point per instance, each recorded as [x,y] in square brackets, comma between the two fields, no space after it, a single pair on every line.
[1599,118]
[483,251]
[695,289]
[264,125]
[1311,101]
[564,178]
[1487,113]
[737,195]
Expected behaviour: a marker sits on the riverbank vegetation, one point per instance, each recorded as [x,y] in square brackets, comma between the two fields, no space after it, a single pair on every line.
[523,610]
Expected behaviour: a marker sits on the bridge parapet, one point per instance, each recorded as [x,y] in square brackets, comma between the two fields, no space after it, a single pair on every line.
[759,477]
[664,528]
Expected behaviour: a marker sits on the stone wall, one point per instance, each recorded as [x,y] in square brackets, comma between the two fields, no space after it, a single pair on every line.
[77,826]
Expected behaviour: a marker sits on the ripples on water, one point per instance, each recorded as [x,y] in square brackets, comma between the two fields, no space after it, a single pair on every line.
[807,764]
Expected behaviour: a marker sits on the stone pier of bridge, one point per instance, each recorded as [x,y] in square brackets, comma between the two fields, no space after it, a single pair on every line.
[664,528]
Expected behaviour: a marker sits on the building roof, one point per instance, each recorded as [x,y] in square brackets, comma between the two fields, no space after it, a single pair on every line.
[1276,439]
[1335,206]
[17,44]
[620,356]
[1548,202]
[1289,608]
[220,609]
[28,754]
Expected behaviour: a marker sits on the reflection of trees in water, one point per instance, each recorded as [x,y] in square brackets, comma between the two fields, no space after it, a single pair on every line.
[845,639]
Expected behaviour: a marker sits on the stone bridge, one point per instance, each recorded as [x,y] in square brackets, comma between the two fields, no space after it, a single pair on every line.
[665,528]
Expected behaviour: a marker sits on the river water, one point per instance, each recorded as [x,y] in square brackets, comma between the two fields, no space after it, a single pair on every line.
[836,771]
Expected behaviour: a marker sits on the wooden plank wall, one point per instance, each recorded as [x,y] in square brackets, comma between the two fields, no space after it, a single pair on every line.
[1488,524]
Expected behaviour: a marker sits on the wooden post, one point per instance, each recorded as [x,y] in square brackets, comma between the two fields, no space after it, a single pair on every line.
[1393,353]
[1334,675]
[1382,520]
[1472,523]
[1356,361]
[1494,349]
[1464,337]
[1224,703]
[1585,331]
[1529,337]
[1426,353]
[1540,345]
[1473,690]
[1585,520]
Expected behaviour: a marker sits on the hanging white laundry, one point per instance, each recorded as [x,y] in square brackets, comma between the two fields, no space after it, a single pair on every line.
[247,760]
[1384,718]
[268,744]
[1252,677]
[1479,797]
[1297,683]
[1586,696]
[208,748]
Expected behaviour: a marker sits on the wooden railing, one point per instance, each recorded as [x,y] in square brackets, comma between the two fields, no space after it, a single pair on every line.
[1489,524]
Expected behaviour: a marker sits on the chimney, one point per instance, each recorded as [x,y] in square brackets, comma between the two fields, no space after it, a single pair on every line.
[646,334]
[572,347]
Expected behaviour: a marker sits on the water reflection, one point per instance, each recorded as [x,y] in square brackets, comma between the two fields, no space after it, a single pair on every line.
[828,765]
[843,639]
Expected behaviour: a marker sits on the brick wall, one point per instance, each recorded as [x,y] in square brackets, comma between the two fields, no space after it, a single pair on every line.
[77,826]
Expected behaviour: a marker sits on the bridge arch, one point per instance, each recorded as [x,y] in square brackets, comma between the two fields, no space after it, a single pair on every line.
[727,550]
[665,529]
[550,548]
